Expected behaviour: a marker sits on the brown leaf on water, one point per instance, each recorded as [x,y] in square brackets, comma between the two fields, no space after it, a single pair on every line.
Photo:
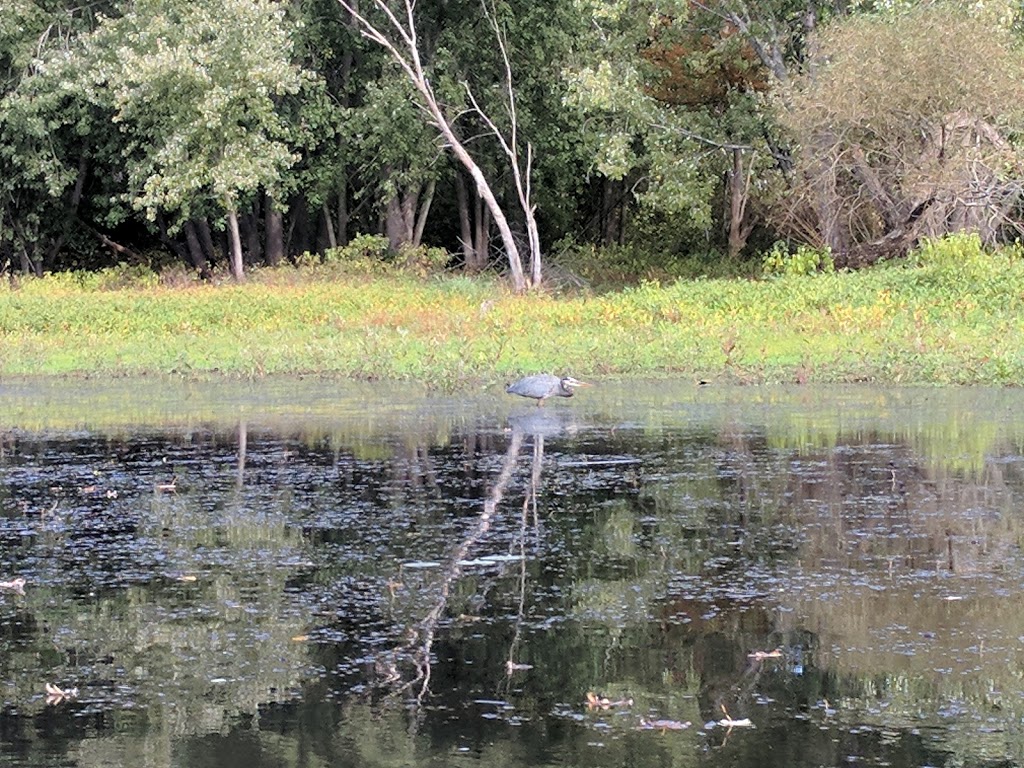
[663,725]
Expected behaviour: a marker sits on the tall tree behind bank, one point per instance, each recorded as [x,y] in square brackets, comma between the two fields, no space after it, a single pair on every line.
[51,138]
[674,93]
[394,28]
[195,87]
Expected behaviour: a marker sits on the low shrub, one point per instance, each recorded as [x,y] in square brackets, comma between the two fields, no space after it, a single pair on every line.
[805,260]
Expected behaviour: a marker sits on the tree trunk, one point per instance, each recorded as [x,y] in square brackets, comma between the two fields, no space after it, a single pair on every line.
[249,225]
[332,239]
[29,265]
[536,257]
[236,245]
[273,226]
[410,62]
[195,249]
[206,239]
[421,217]
[826,202]
[612,199]
[407,214]
[300,237]
[6,256]
[482,242]
[341,215]
[474,226]
[465,228]
[400,218]
[739,194]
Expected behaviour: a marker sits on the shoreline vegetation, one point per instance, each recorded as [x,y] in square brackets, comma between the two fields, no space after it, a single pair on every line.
[951,313]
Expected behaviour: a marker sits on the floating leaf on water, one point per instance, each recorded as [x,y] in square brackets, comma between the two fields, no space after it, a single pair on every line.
[55,694]
[300,638]
[503,558]
[728,722]
[662,725]
[14,585]
[491,560]
[603,702]
[758,655]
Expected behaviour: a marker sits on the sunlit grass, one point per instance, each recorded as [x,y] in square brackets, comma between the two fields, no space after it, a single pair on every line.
[936,321]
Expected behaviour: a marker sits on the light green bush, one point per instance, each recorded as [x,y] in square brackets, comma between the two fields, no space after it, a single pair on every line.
[805,260]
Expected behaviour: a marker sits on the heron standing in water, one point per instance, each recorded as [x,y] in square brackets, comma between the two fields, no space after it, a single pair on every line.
[541,386]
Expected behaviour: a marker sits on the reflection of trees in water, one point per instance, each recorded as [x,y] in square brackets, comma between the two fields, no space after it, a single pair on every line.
[829,545]
[418,647]
[175,604]
[897,568]
[416,651]
[658,578]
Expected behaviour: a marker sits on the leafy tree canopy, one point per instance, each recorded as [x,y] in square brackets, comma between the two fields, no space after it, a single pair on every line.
[196,88]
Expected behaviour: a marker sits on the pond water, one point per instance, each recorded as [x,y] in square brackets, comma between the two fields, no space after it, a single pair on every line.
[312,573]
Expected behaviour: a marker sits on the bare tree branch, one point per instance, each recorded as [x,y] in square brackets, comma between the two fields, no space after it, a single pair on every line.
[406,54]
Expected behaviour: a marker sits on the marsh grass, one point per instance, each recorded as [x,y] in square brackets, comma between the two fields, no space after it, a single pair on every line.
[951,314]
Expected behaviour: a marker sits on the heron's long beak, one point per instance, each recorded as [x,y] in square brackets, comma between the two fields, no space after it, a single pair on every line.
[578,383]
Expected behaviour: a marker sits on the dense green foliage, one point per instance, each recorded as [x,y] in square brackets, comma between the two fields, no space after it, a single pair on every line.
[154,132]
[951,315]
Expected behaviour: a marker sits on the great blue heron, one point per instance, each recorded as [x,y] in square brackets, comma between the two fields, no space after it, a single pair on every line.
[541,386]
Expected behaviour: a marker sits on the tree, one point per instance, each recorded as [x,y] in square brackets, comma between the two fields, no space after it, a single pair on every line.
[398,156]
[50,136]
[904,124]
[397,33]
[675,94]
[195,87]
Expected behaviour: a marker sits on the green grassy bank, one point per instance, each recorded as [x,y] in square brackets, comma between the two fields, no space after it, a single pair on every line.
[945,316]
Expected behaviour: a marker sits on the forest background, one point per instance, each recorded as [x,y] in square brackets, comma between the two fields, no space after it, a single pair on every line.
[653,138]
[582,146]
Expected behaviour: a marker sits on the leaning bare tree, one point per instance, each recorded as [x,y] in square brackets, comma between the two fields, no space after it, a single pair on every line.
[397,35]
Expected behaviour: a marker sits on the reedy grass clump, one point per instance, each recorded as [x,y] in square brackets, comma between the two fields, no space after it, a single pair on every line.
[952,313]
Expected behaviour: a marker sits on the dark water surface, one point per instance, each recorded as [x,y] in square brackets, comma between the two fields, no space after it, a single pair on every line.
[307,573]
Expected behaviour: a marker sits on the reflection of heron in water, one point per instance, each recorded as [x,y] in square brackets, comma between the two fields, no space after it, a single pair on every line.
[538,425]
[546,423]
[544,385]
